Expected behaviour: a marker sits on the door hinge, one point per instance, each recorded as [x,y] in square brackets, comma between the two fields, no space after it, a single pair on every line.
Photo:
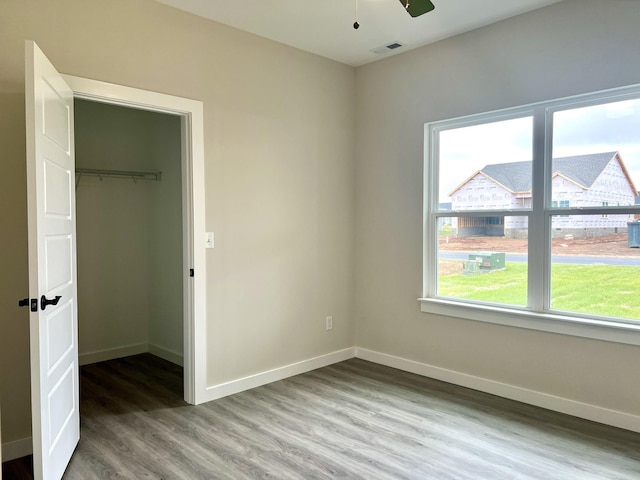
[191,273]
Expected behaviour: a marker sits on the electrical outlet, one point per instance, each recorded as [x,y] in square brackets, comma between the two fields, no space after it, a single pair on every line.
[329,323]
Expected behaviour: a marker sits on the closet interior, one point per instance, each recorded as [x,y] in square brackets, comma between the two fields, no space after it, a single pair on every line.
[129,232]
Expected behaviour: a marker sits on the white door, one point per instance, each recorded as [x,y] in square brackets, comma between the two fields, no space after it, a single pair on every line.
[52,266]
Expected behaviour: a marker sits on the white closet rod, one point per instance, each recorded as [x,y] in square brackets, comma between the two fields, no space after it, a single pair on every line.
[96,172]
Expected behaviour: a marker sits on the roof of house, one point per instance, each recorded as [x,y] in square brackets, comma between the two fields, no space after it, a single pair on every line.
[514,176]
[580,169]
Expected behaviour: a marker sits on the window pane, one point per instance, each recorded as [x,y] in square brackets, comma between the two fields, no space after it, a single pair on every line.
[596,274]
[596,163]
[476,261]
[596,157]
[486,166]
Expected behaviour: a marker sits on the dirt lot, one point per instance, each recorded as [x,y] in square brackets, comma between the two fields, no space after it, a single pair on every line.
[611,245]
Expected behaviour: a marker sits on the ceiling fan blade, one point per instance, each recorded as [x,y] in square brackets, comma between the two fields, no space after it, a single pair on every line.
[417,7]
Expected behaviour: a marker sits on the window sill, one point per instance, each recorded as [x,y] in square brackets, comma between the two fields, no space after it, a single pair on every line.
[610,331]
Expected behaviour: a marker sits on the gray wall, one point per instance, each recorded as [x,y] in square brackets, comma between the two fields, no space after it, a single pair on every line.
[568,48]
[279,127]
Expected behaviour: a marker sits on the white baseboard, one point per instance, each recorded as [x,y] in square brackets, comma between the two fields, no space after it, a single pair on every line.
[531,397]
[240,385]
[112,353]
[17,449]
[166,354]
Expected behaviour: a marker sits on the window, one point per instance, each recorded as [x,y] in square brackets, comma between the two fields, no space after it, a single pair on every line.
[539,203]
[560,204]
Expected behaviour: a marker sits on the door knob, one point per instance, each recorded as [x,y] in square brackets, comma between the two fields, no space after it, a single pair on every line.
[44,301]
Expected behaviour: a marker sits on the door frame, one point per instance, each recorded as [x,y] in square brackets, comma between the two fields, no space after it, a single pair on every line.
[193,215]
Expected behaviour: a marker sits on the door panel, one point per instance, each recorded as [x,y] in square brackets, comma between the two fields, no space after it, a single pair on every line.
[56,115]
[60,326]
[57,180]
[59,267]
[52,266]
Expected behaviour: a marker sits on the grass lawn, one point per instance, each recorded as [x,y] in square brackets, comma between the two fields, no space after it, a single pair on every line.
[594,289]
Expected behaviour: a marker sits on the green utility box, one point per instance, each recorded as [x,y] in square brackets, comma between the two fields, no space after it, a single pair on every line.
[488,260]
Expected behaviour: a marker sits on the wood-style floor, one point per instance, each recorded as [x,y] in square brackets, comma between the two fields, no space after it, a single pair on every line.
[352,420]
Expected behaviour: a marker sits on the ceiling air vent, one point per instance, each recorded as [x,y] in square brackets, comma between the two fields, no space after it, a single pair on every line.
[387,48]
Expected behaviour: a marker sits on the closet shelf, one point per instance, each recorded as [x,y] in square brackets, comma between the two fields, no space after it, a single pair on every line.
[135,176]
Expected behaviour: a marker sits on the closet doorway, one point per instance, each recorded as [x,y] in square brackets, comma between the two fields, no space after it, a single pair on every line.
[193,274]
[129,232]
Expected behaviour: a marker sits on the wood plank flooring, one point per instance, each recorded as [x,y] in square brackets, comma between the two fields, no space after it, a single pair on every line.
[352,420]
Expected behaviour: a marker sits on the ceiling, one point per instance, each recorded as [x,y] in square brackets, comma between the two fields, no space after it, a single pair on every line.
[325,27]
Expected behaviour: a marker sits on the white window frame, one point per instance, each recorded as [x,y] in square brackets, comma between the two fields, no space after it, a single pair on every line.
[537,315]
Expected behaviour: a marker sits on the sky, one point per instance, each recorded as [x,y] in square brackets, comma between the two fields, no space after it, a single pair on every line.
[596,129]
